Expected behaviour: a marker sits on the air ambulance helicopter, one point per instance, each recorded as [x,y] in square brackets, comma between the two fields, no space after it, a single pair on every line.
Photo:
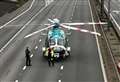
[57,39]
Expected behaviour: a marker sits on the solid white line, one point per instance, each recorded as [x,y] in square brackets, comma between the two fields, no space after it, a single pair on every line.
[16,80]
[21,29]
[31,55]
[18,15]
[62,67]
[59,81]
[99,50]
[24,67]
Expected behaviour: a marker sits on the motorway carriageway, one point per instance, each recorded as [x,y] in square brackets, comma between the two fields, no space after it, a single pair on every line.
[84,64]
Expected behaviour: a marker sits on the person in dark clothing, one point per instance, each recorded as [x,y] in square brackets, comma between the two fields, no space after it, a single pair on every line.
[50,57]
[28,60]
[62,55]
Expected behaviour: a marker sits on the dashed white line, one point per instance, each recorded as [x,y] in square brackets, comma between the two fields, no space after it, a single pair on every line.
[24,67]
[36,47]
[62,67]
[16,80]
[40,40]
[59,81]
[31,55]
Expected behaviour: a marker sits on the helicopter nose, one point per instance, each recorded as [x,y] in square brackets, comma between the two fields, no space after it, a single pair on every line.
[57,49]
[56,20]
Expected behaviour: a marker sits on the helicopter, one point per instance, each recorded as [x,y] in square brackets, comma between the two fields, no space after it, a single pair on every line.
[57,38]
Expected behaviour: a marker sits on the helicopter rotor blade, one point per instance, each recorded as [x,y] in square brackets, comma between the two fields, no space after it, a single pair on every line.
[38,31]
[88,23]
[50,20]
[81,30]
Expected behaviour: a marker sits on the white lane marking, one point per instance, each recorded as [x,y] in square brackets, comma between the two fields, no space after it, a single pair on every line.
[99,51]
[18,15]
[59,81]
[36,47]
[40,40]
[62,67]
[73,9]
[16,80]
[24,67]
[31,55]
[21,29]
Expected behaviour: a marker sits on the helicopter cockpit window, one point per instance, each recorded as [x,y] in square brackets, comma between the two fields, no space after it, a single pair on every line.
[52,42]
[60,42]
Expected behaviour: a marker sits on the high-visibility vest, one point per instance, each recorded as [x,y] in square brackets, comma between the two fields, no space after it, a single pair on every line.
[46,52]
[52,54]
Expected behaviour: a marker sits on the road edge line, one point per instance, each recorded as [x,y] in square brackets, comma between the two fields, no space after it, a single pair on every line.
[99,50]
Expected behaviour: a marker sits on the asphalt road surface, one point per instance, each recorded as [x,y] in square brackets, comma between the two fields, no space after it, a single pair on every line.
[82,66]
[11,29]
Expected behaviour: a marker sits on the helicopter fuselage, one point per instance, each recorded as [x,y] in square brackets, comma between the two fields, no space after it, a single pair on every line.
[56,39]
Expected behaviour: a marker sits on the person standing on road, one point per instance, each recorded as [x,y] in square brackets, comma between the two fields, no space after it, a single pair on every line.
[28,60]
[50,57]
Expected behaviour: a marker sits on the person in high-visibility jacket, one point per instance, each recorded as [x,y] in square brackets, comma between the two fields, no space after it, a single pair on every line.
[50,56]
